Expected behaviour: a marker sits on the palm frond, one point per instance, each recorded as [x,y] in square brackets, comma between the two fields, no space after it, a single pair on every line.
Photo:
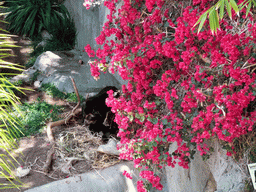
[216,12]
[8,122]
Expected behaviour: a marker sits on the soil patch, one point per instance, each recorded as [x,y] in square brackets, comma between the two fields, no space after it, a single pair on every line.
[75,153]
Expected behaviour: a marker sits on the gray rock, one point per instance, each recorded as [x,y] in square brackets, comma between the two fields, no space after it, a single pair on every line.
[109,148]
[107,180]
[228,174]
[45,36]
[26,76]
[193,179]
[57,68]
[37,84]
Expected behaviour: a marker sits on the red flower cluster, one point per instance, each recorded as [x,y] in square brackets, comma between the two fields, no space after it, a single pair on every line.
[89,50]
[183,86]
[128,175]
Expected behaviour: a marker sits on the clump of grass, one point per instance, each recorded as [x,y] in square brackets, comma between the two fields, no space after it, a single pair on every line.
[51,90]
[31,61]
[18,83]
[34,116]
[248,186]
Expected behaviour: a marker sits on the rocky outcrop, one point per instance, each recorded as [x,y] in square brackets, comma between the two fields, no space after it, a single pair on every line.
[57,67]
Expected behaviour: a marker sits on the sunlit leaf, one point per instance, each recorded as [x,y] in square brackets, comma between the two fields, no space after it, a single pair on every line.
[228,7]
[248,8]
[8,122]
[203,18]
[222,5]
[234,6]
[212,20]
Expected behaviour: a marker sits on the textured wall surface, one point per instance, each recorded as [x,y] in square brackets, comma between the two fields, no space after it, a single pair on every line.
[89,24]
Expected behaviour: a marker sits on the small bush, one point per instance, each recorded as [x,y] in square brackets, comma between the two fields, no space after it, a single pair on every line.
[63,37]
[31,17]
[36,115]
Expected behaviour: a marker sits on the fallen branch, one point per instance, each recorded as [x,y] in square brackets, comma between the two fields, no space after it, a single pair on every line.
[50,125]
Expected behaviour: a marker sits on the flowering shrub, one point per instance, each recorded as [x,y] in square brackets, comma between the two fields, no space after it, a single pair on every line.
[91,3]
[183,86]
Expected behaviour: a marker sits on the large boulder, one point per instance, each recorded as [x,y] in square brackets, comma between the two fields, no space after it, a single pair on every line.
[229,175]
[220,173]
[57,67]
[194,179]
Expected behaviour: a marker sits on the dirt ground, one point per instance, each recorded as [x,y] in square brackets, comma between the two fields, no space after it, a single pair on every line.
[32,151]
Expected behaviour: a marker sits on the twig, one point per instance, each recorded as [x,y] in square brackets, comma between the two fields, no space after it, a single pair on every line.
[34,162]
[221,108]
[45,174]
[50,125]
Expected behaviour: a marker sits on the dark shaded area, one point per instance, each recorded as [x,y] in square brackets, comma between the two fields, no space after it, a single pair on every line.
[98,115]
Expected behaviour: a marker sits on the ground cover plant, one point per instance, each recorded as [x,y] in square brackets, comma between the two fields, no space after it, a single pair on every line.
[183,87]
[51,90]
[34,116]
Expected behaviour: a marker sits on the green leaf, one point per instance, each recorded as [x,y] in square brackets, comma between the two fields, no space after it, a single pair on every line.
[212,17]
[222,5]
[242,5]
[142,119]
[201,20]
[254,2]
[166,24]
[164,139]
[216,20]
[228,7]
[8,122]
[164,121]
[248,8]
[130,118]
[155,121]
[157,102]
[234,6]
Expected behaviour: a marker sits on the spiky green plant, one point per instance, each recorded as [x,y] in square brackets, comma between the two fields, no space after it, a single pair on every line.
[30,17]
[216,12]
[8,123]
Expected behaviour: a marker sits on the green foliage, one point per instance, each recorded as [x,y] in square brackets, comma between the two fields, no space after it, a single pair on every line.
[18,83]
[30,17]
[51,90]
[63,36]
[31,61]
[8,123]
[36,115]
[252,154]
[215,15]
[248,186]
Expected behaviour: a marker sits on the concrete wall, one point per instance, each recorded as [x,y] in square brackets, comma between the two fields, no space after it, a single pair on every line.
[89,24]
